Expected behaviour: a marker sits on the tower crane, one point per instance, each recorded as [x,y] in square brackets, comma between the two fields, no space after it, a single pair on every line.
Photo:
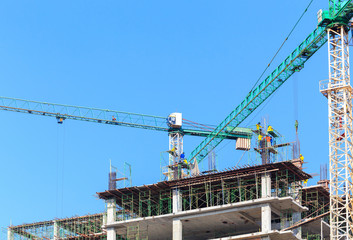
[333,26]
[173,124]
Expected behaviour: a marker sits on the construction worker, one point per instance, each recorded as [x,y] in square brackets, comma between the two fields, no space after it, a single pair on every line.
[270,128]
[260,140]
[301,157]
[258,126]
[296,126]
[268,140]
[183,159]
[172,152]
[113,118]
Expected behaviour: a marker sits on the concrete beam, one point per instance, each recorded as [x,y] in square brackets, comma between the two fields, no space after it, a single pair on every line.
[238,209]
[275,234]
[285,202]
[276,211]
[249,218]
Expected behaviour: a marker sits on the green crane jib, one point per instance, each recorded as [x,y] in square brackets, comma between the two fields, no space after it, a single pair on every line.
[118,118]
[342,12]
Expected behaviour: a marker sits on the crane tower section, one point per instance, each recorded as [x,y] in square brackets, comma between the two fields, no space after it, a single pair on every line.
[174,122]
[338,91]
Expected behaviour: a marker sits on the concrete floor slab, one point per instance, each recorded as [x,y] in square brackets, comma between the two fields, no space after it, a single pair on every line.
[212,222]
[274,235]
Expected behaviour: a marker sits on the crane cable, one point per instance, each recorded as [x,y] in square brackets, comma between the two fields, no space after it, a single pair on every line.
[279,49]
[269,64]
[60,169]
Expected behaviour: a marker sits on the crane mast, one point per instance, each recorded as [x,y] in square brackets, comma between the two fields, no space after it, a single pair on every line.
[176,147]
[175,142]
[338,91]
[339,94]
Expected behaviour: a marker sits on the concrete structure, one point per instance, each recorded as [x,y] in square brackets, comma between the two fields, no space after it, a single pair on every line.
[257,202]
[236,219]
[111,218]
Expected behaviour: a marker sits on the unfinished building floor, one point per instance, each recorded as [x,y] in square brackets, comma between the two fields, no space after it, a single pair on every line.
[257,202]
[254,202]
[240,219]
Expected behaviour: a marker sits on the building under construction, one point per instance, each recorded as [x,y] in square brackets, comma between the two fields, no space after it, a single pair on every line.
[264,201]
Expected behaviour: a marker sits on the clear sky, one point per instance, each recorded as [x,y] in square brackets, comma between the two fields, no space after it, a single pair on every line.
[155,57]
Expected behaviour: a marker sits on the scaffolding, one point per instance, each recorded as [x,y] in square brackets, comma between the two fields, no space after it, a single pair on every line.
[206,190]
[317,200]
[230,186]
[138,231]
[118,178]
[83,227]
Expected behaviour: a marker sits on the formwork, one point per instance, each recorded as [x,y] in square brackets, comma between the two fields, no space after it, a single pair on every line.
[230,186]
[234,185]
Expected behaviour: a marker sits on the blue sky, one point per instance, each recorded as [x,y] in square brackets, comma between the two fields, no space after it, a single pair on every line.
[155,57]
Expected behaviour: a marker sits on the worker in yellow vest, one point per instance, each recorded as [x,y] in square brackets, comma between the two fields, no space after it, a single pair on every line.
[270,128]
[173,152]
[260,140]
[258,126]
[301,157]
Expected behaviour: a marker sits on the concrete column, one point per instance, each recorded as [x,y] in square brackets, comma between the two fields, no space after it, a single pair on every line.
[297,216]
[177,202]
[266,185]
[177,207]
[10,234]
[111,218]
[177,229]
[56,230]
[111,235]
[266,218]
[111,211]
